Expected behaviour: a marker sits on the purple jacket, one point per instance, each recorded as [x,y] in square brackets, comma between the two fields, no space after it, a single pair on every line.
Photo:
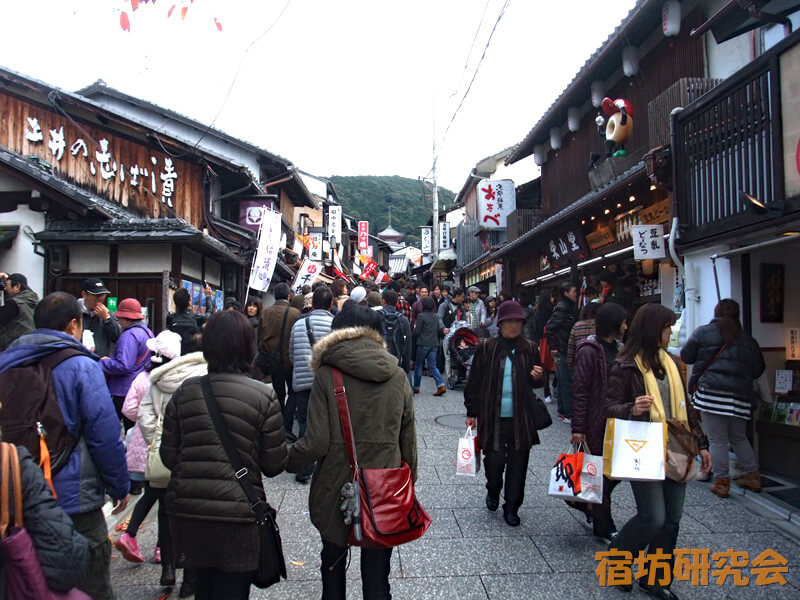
[130,357]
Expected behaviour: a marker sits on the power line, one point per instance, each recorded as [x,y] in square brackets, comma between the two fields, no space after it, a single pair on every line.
[471,48]
[474,75]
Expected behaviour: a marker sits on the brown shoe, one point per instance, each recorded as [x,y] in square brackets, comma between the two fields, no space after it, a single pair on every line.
[721,487]
[751,481]
[440,391]
[416,390]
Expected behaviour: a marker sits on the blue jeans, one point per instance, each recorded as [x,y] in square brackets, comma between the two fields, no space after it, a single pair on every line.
[427,354]
[564,376]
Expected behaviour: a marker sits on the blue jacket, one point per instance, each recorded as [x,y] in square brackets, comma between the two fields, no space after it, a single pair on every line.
[97,466]
[130,358]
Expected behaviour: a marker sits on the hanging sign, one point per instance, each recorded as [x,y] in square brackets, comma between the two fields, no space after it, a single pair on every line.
[655,213]
[251,212]
[566,244]
[427,242]
[369,269]
[315,245]
[269,241]
[444,235]
[792,343]
[334,223]
[496,200]
[305,276]
[363,235]
[602,237]
[648,242]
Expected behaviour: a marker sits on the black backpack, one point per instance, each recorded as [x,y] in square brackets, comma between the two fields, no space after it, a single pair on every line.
[394,335]
[30,415]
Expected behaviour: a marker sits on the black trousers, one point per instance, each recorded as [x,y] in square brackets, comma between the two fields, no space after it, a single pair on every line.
[375,568]
[515,464]
[603,524]
[281,381]
[222,585]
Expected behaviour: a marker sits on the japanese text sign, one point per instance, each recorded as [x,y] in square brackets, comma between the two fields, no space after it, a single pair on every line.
[566,244]
[334,223]
[793,343]
[648,242]
[305,276]
[269,241]
[363,235]
[656,213]
[603,236]
[427,243]
[315,245]
[496,200]
[444,235]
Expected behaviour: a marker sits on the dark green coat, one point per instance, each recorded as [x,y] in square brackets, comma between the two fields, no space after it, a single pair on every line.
[26,300]
[382,415]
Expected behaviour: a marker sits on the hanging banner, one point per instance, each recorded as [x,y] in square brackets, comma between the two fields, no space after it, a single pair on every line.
[269,241]
[496,200]
[363,235]
[381,277]
[305,276]
[337,265]
[427,243]
[315,245]
[444,235]
[369,269]
[251,212]
[334,224]
[648,242]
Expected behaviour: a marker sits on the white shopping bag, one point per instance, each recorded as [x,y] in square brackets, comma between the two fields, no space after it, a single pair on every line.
[577,477]
[468,458]
[634,450]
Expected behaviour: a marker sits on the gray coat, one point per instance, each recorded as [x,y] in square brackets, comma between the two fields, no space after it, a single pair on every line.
[426,331]
[300,346]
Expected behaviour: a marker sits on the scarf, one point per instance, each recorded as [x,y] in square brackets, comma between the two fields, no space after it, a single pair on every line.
[677,400]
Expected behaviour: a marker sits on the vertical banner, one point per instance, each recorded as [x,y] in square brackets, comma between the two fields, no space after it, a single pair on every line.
[363,235]
[496,200]
[426,235]
[337,266]
[369,269]
[306,275]
[315,248]
[648,242]
[334,224]
[267,255]
[444,235]
[498,274]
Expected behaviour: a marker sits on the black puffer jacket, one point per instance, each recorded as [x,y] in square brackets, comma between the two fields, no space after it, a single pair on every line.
[560,324]
[203,485]
[734,370]
[62,551]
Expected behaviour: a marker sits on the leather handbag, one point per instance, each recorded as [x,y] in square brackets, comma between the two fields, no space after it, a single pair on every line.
[682,450]
[271,563]
[24,578]
[541,416]
[387,512]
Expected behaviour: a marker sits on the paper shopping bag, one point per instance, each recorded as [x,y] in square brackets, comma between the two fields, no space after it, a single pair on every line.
[565,476]
[468,458]
[634,450]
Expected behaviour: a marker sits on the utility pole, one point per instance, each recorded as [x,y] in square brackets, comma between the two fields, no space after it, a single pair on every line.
[435,194]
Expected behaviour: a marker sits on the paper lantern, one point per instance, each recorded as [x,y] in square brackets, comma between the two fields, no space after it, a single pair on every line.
[573,119]
[671,18]
[539,155]
[555,138]
[598,93]
[630,61]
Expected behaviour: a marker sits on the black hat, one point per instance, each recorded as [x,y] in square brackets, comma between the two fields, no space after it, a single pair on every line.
[19,279]
[94,285]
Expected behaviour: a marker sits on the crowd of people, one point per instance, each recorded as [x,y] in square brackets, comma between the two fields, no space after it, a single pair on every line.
[136,411]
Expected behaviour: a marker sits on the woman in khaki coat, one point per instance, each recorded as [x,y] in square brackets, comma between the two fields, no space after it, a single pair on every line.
[382,416]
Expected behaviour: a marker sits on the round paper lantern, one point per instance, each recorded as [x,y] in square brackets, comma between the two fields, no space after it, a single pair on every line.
[671,18]
[597,93]
[573,119]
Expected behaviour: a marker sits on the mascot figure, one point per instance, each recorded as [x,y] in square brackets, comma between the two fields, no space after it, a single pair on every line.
[618,128]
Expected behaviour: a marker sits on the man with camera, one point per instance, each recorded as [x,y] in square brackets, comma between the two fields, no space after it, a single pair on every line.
[16,314]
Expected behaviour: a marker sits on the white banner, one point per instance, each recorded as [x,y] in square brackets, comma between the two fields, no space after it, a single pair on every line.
[444,235]
[306,275]
[269,241]
[315,249]
[427,242]
[648,242]
[496,200]
[334,223]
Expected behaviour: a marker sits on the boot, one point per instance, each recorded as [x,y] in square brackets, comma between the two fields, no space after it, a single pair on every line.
[721,487]
[167,575]
[440,391]
[751,481]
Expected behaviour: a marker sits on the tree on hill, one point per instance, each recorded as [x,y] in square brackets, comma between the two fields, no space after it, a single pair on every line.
[367,198]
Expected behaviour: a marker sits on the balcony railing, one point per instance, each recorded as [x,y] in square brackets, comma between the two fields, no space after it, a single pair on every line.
[522,221]
[680,94]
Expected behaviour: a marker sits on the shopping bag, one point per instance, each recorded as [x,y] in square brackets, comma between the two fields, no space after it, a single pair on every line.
[634,450]
[468,457]
[591,480]
[565,476]
[546,355]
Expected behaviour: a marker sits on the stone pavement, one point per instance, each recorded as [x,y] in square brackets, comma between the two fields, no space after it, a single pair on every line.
[470,553]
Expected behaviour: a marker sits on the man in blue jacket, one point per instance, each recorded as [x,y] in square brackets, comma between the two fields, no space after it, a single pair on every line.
[97,465]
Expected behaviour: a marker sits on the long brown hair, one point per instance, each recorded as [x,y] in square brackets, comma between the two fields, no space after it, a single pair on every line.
[644,336]
[726,317]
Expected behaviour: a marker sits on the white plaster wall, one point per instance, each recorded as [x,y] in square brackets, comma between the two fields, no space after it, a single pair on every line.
[20,258]
[213,272]
[722,60]
[701,293]
[95,260]
[192,263]
[144,258]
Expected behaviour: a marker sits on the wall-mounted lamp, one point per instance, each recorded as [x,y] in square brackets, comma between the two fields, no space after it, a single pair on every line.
[606,211]
[619,204]
[592,218]
[759,208]
[632,199]
[653,187]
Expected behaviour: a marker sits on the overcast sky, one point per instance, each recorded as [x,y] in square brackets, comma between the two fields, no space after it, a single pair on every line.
[338,87]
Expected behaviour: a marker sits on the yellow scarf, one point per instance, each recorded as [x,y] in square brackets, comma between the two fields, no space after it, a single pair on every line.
[677,399]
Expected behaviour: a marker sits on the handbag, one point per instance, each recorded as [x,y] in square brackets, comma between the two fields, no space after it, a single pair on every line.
[24,578]
[682,450]
[386,511]
[541,416]
[271,563]
[548,362]
[155,472]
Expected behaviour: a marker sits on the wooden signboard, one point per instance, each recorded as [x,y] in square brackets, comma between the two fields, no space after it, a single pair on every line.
[656,213]
[602,237]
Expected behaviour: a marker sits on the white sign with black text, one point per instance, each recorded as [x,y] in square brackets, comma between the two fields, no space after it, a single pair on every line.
[444,235]
[648,242]
[496,200]
[334,223]
[269,243]
[427,242]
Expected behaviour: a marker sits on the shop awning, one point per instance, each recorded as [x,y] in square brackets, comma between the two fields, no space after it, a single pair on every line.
[8,234]
[445,262]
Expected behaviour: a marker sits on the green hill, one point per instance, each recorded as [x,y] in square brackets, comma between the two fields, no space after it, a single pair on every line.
[367,198]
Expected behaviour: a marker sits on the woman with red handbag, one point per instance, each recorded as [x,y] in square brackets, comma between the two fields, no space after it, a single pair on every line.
[544,309]
[381,412]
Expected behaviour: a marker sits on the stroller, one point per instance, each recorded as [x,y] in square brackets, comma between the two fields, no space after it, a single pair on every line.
[462,349]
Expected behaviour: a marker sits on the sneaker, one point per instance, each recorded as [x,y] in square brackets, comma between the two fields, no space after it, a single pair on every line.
[157,556]
[564,419]
[548,400]
[129,548]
